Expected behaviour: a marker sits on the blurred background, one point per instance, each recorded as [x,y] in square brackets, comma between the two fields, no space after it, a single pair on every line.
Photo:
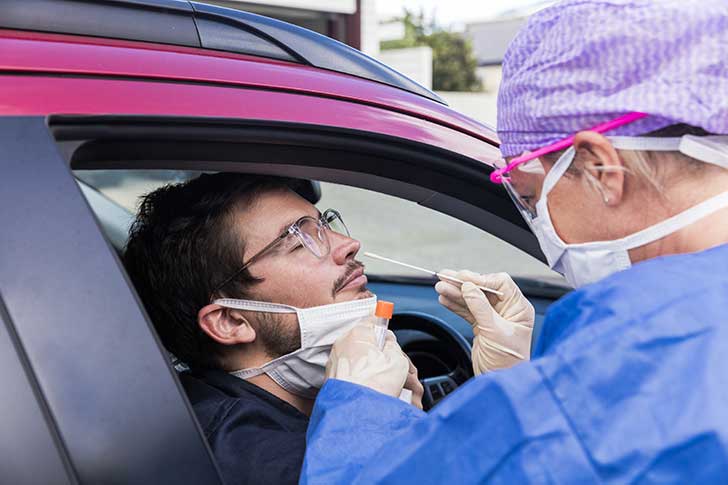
[454,47]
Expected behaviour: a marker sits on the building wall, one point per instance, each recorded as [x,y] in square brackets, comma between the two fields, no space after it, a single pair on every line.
[490,39]
[413,62]
[479,106]
[369,27]
[490,77]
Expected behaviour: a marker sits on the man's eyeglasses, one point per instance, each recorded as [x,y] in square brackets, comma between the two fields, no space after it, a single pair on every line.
[308,232]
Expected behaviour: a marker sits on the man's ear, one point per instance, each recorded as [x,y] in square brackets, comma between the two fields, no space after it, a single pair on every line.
[225,326]
[603,163]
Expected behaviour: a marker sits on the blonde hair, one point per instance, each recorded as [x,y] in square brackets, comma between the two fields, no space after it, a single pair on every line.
[650,169]
[647,168]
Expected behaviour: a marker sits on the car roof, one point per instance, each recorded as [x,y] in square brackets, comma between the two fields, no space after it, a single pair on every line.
[71,55]
[194,24]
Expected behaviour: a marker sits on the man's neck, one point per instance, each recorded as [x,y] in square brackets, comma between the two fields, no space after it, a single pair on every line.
[256,357]
[268,384]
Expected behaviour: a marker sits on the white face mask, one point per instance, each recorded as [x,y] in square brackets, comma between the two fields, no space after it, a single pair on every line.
[302,371]
[586,263]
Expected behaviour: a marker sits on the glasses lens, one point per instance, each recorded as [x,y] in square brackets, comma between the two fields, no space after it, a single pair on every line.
[525,207]
[313,238]
[333,221]
[524,188]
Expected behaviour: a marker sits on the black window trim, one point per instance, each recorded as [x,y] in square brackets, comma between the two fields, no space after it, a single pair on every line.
[440,179]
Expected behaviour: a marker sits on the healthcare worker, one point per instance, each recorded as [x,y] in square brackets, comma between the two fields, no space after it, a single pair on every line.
[608,113]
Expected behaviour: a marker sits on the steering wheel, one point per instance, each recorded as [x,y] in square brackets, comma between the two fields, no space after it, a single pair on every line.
[441,344]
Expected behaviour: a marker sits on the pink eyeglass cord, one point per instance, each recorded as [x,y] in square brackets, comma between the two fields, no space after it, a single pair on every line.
[497,175]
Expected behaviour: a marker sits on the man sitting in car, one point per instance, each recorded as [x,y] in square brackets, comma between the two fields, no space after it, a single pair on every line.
[204,257]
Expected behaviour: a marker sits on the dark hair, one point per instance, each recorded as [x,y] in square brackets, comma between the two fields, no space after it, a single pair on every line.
[182,244]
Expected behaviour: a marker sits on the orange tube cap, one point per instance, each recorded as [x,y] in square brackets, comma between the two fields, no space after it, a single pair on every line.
[384,309]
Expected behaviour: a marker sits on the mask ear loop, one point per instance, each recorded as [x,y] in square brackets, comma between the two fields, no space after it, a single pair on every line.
[557,171]
[560,168]
[708,149]
[552,178]
[254,306]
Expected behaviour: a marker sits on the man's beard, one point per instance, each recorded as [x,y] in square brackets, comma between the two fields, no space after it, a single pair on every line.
[351,266]
[277,336]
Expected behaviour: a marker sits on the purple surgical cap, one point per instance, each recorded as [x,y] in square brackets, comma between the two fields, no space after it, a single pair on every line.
[580,63]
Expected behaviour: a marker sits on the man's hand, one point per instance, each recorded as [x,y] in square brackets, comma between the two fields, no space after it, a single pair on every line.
[356,358]
[502,325]
[413,384]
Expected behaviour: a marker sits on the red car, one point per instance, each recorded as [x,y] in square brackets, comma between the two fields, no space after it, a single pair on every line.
[110,95]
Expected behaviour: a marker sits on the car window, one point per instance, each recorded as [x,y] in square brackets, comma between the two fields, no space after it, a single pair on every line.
[406,231]
[386,225]
[126,186]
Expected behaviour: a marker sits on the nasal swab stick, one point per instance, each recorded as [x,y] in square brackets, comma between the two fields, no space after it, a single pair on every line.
[433,273]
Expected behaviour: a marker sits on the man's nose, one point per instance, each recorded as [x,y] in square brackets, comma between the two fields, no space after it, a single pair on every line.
[343,248]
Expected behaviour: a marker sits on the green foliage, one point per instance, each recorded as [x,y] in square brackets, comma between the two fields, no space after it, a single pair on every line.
[453,60]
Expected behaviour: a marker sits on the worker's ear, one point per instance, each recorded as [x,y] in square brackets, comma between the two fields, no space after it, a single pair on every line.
[600,160]
[225,326]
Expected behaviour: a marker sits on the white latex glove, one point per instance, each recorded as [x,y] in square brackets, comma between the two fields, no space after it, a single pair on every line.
[502,325]
[356,358]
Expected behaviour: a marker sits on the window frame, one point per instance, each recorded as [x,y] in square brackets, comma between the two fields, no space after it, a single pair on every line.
[440,179]
[112,405]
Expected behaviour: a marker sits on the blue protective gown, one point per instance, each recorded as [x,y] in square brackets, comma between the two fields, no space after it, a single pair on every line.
[629,383]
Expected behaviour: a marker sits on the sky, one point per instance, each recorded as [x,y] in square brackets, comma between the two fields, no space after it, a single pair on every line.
[453,13]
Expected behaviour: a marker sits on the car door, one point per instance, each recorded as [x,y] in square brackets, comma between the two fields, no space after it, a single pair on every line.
[88,396]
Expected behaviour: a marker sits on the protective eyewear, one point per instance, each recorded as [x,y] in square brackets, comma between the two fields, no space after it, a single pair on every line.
[309,232]
[525,175]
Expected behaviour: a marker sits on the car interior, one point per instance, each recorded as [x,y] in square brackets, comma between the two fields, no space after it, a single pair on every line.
[116,160]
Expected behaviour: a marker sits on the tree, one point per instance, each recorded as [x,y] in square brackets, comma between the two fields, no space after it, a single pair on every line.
[453,60]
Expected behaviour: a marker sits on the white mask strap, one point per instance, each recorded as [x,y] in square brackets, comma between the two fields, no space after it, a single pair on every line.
[329,310]
[256,371]
[559,169]
[644,143]
[255,306]
[666,227]
[711,149]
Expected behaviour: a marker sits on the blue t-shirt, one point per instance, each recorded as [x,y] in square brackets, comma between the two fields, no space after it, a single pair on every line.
[256,438]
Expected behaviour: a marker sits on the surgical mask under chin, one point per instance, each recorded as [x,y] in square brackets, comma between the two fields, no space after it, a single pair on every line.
[302,372]
[586,263]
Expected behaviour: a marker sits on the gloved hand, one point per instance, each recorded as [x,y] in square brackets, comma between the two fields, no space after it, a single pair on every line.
[502,325]
[356,358]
